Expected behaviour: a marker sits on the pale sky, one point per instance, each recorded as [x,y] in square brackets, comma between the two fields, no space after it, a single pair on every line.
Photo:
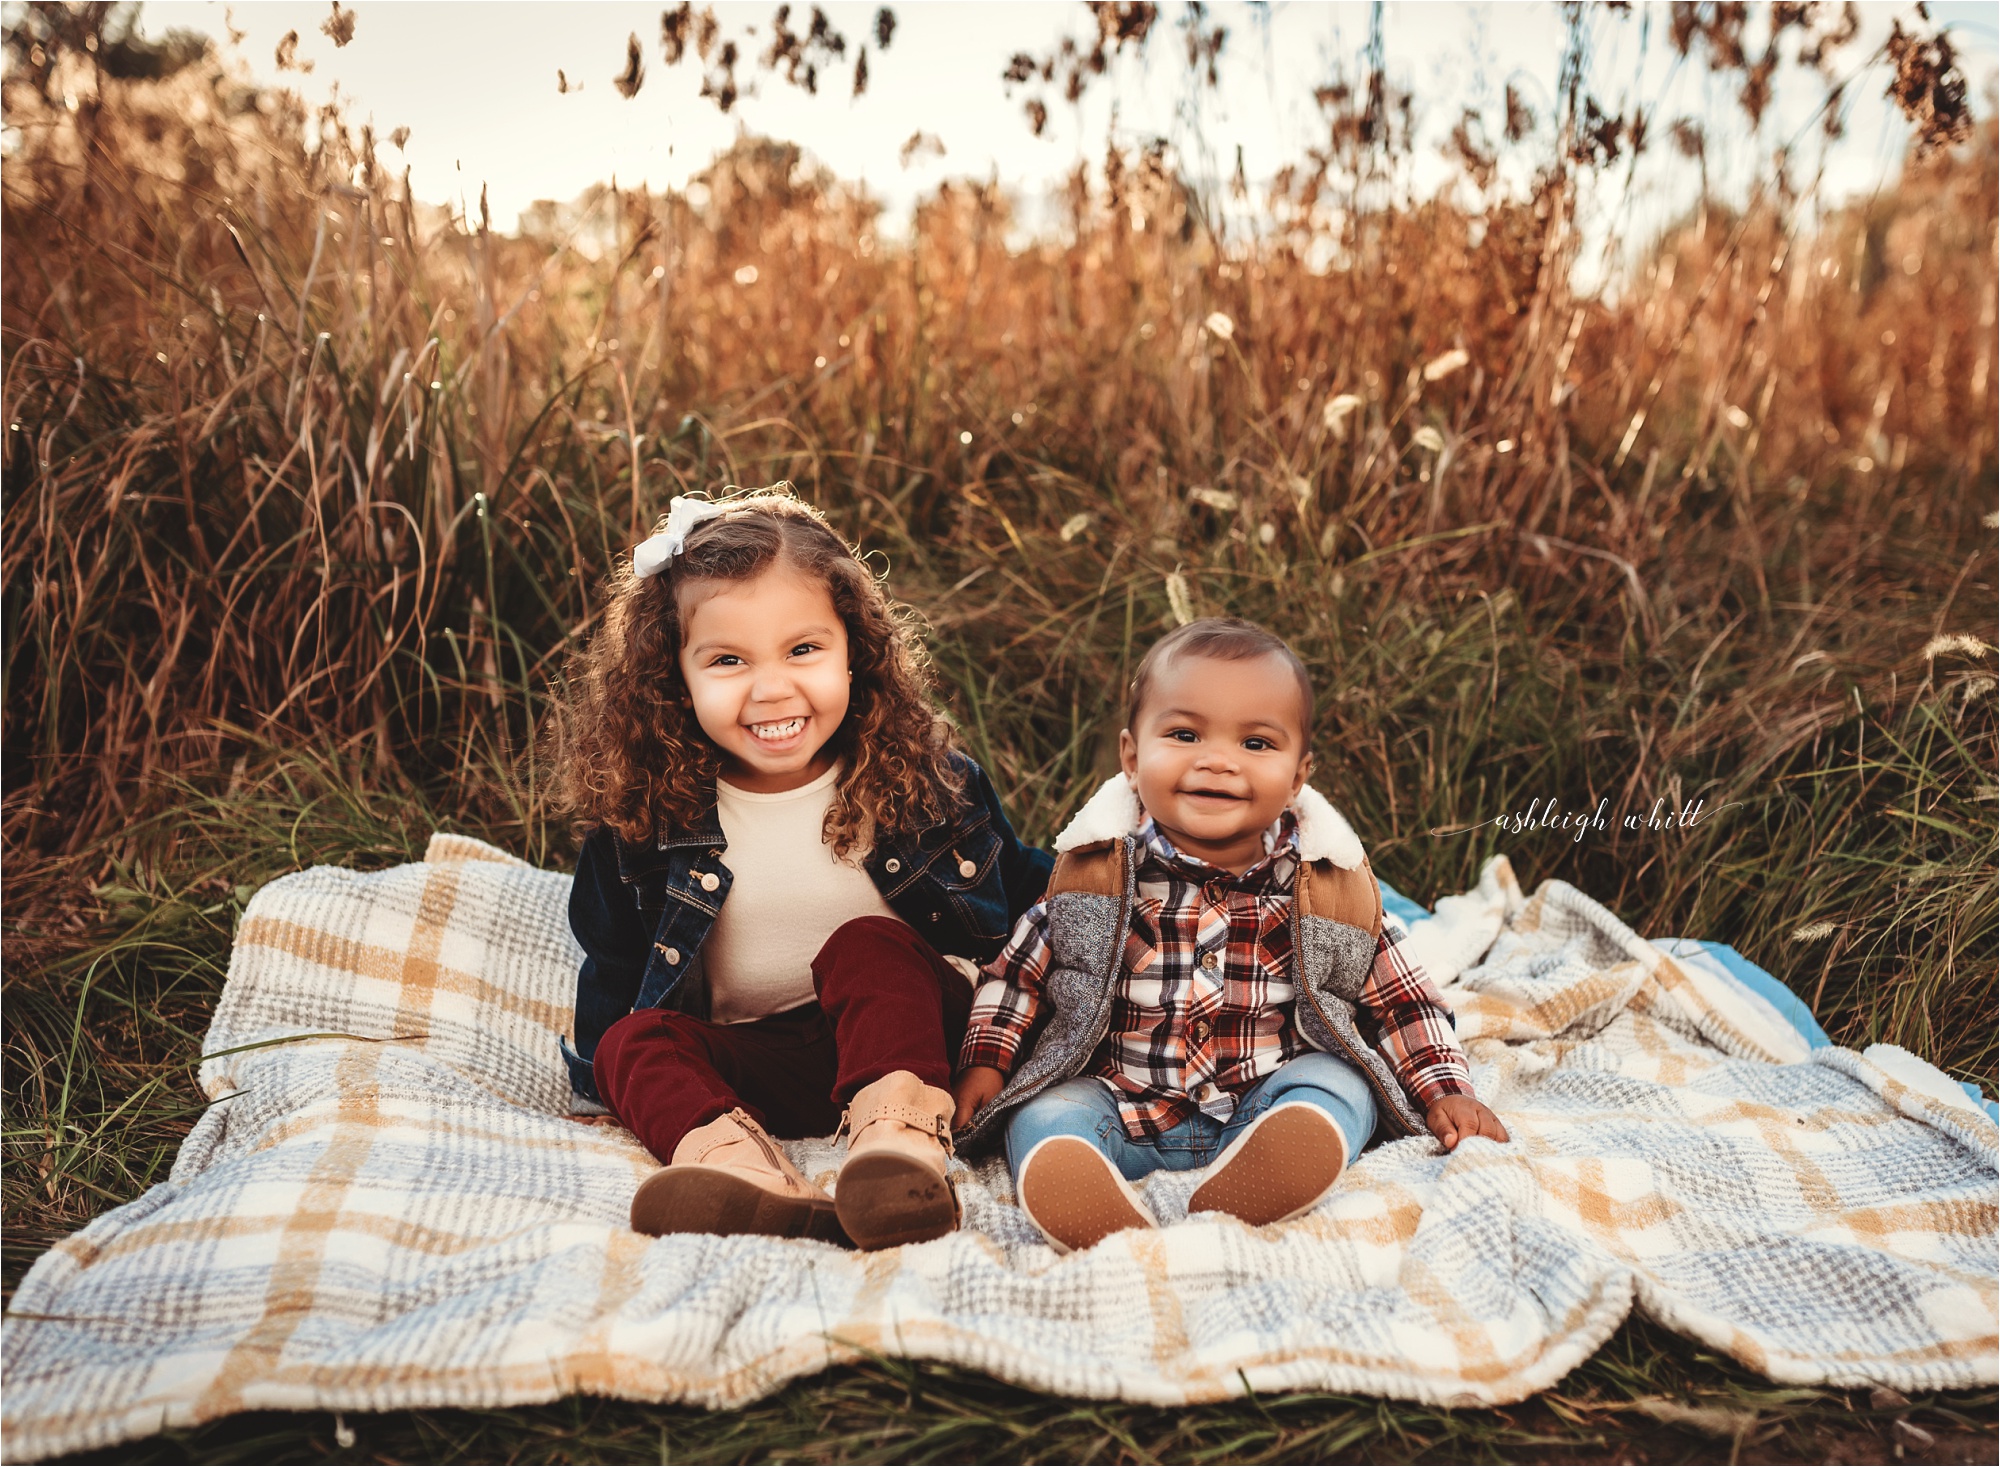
[475,82]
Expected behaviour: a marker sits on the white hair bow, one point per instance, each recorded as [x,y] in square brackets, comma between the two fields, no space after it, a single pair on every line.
[656,551]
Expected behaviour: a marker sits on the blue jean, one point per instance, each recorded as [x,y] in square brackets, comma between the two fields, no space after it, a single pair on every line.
[1088,1107]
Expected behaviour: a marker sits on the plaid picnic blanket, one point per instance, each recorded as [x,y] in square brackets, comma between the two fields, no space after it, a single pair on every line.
[387,1205]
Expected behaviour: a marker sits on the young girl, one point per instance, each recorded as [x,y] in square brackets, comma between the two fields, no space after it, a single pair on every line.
[786,853]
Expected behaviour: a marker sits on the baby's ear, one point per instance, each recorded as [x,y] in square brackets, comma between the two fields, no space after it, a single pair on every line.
[1305,773]
[1128,752]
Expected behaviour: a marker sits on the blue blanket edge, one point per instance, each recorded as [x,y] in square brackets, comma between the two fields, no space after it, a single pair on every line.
[1746,973]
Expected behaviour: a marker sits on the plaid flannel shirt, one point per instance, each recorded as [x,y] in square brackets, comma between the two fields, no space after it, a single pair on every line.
[1202,1004]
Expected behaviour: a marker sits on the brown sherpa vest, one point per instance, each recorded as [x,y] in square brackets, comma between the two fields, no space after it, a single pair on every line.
[1336,923]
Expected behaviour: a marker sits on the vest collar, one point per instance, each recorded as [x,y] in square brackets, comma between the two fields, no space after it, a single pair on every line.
[1324,834]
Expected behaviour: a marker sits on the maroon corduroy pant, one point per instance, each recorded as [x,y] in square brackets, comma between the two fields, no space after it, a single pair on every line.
[887,1002]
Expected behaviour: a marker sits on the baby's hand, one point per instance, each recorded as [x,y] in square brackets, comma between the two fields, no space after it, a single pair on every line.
[1455,1117]
[975,1085]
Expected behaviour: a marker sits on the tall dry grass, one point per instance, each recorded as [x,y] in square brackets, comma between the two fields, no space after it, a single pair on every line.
[294,461]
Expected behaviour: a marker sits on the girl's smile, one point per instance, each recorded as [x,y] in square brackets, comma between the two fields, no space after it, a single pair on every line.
[765,663]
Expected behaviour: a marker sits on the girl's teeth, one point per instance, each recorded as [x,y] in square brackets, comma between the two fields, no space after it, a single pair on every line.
[777,730]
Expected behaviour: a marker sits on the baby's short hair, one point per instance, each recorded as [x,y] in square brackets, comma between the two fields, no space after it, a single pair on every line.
[1229,638]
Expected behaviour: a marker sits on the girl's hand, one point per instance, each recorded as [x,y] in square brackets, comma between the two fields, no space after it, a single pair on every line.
[975,1085]
[1456,1117]
[595,1120]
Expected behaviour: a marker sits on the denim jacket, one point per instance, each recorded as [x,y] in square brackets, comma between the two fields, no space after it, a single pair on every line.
[642,912]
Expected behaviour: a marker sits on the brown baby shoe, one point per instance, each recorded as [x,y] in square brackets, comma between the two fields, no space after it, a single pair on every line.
[730,1177]
[892,1188]
[1072,1192]
[1282,1164]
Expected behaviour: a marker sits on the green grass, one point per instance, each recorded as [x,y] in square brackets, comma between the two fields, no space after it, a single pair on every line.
[1644,1397]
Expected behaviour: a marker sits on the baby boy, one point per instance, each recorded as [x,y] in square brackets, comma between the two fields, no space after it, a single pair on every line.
[1210,980]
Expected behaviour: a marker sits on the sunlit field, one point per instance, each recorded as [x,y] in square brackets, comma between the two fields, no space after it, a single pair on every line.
[309,488]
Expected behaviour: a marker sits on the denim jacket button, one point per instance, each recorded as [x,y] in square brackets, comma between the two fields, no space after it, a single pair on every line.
[967,870]
[892,865]
[710,881]
[671,954]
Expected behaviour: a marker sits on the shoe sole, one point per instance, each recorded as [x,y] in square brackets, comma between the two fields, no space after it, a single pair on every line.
[697,1199]
[1072,1194]
[886,1200]
[1281,1166]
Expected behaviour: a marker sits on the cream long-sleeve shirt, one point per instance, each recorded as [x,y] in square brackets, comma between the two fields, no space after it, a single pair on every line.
[788,894]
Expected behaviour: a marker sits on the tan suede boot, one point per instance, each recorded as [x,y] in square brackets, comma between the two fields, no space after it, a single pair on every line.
[892,1187]
[730,1177]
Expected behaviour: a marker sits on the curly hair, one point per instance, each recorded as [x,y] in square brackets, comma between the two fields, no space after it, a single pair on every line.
[627,750]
